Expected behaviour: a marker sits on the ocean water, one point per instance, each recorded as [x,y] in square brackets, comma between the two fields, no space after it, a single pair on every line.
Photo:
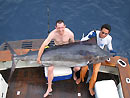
[29,19]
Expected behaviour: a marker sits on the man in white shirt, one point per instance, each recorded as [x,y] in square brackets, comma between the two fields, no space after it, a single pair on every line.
[103,39]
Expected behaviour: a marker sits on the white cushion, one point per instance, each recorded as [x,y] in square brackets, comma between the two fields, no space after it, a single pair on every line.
[60,73]
[106,89]
[3,87]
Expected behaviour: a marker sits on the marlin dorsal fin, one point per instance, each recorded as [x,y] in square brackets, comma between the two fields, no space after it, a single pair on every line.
[92,40]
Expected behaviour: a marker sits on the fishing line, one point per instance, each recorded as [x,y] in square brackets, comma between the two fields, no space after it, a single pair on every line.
[48,15]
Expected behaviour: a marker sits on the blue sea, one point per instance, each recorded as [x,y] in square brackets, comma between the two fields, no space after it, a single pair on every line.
[30,19]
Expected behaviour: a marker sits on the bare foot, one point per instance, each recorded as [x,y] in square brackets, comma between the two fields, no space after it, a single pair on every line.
[74,76]
[47,93]
[91,92]
[78,81]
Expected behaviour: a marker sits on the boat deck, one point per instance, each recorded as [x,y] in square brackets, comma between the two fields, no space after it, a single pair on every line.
[32,83]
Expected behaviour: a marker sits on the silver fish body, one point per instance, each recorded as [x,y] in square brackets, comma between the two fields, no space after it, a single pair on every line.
[70,55]
[75,54]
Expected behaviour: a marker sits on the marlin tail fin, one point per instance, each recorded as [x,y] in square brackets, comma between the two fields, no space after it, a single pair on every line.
[13,61]
[11,49]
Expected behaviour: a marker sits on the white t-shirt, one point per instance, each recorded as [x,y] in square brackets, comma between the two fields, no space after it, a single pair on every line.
[100,41]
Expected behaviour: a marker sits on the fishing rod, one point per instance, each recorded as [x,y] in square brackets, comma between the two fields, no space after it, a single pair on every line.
[48,14]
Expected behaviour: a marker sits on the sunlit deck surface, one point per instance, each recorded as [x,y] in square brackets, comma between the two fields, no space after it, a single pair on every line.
[32,83]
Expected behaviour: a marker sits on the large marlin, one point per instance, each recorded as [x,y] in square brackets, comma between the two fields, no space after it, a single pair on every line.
[80,54]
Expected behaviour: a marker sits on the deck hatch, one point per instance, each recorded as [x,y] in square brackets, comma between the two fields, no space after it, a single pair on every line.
[5,47]
[27,45]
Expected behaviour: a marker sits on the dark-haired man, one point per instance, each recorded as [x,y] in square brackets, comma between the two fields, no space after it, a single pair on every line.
[103,39]
[60,35]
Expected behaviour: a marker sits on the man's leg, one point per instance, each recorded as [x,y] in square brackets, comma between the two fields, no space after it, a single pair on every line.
[50,78]
[75,69]
[94,78]
[82,74]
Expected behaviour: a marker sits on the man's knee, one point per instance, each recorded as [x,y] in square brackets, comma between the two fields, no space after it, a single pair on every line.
[50,68]
[76,68]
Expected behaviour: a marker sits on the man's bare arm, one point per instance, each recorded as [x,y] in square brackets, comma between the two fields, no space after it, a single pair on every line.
[71,37]
[44,44]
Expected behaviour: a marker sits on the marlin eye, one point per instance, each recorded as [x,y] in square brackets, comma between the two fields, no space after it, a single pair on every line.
[108,59]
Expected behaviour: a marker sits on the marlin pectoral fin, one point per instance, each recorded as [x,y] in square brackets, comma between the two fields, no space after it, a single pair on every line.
[90,66]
